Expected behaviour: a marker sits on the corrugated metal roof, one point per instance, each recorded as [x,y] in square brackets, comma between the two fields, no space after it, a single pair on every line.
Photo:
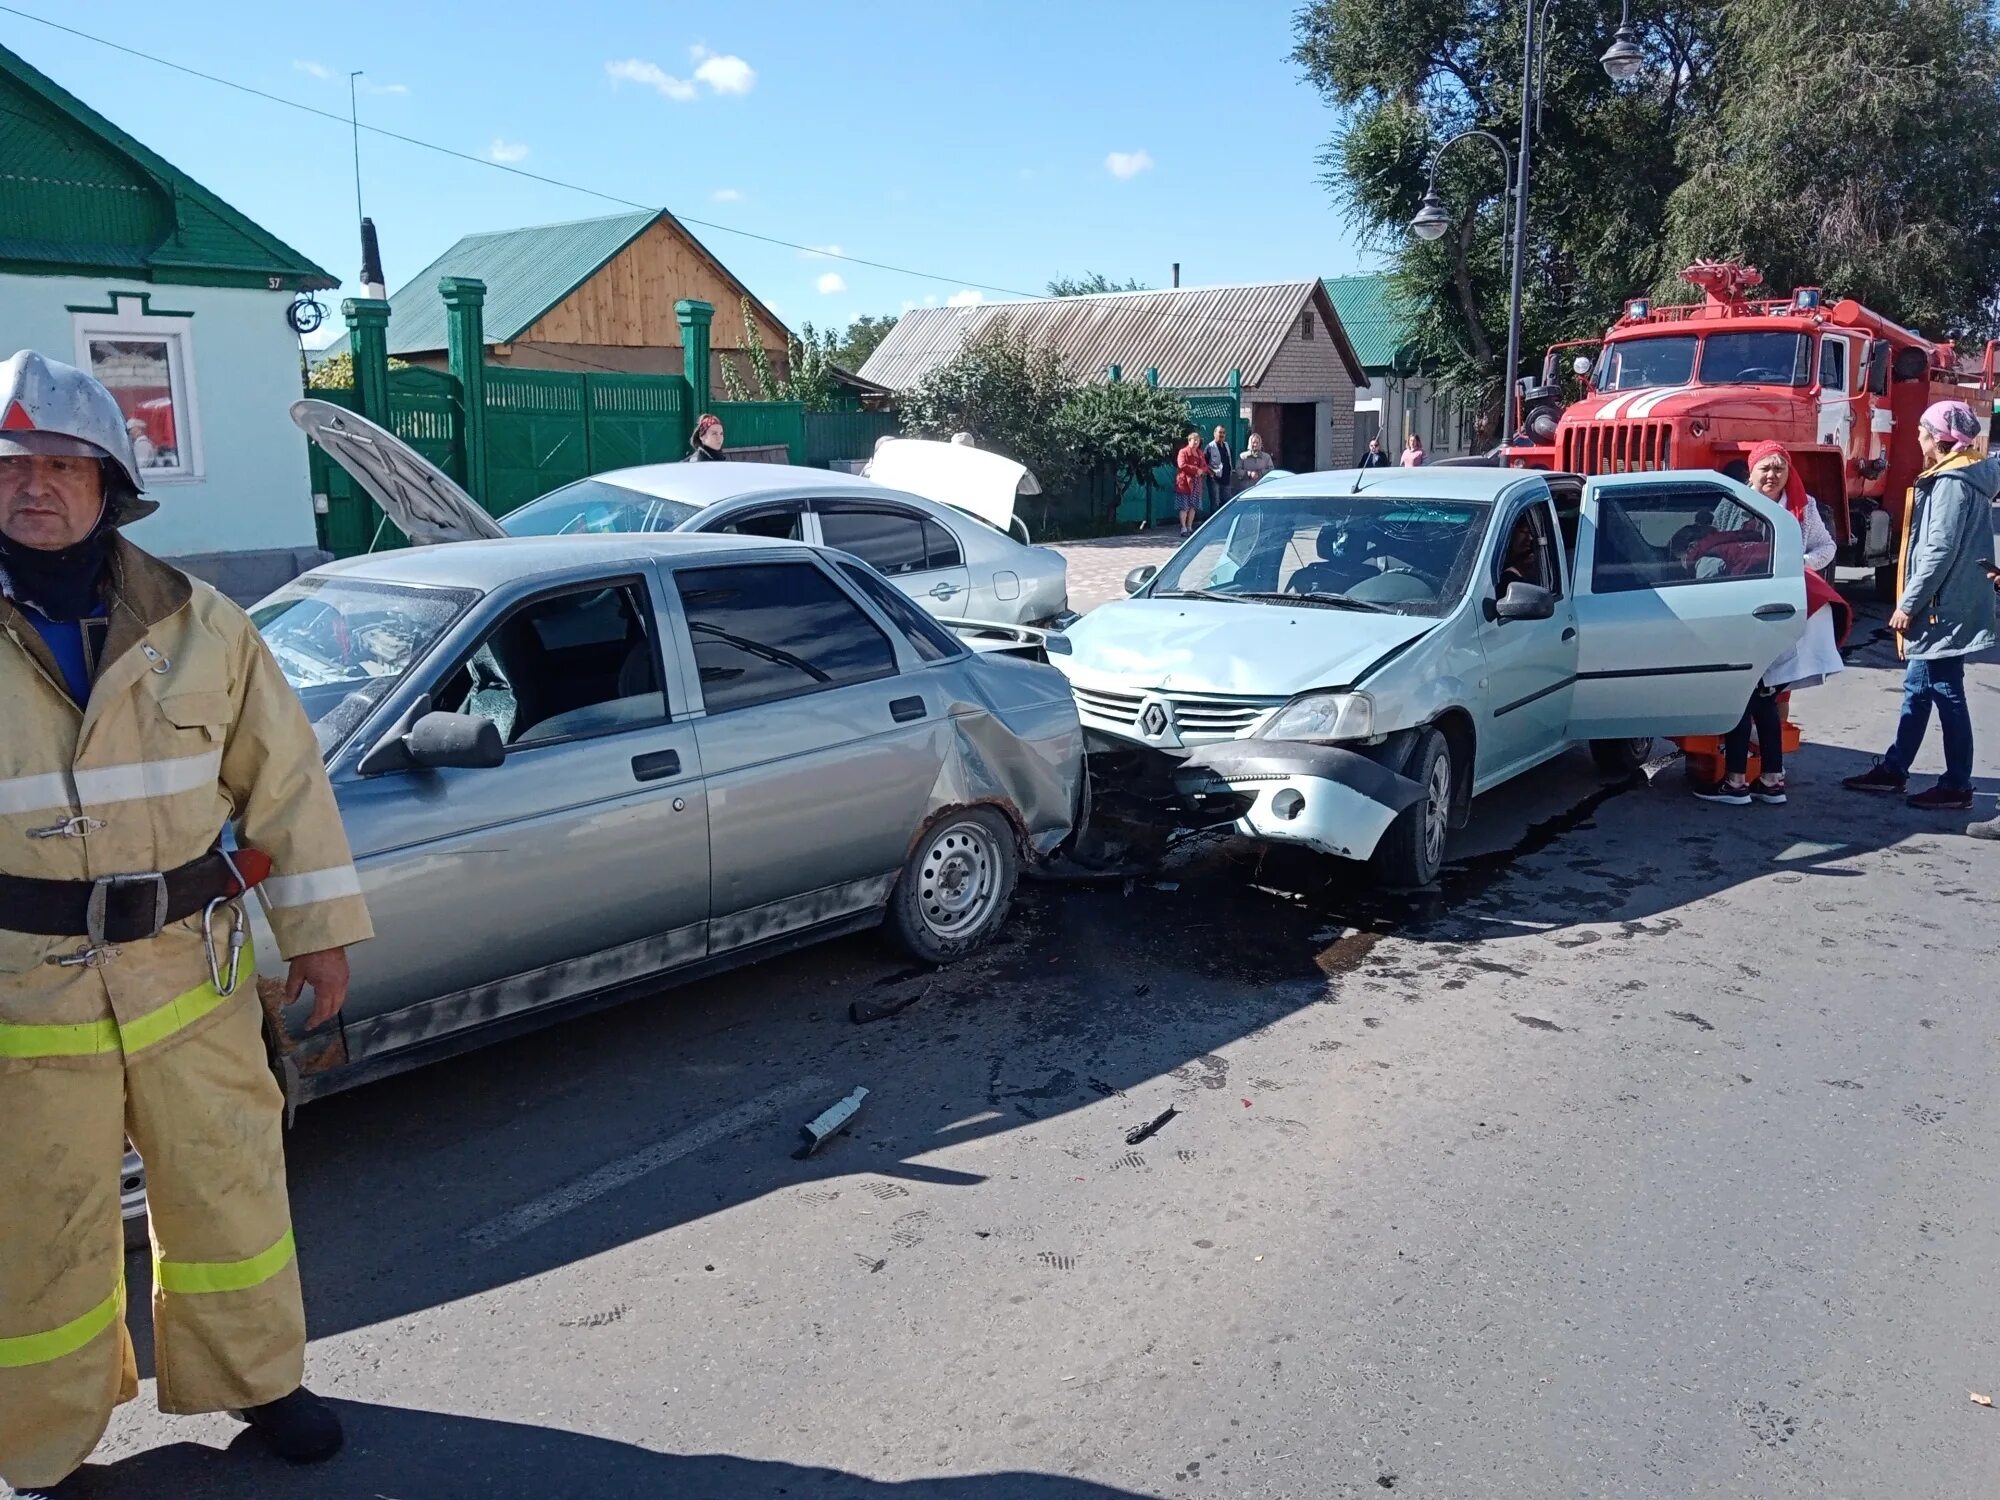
[1370,318]
[1194,335]
[526,271]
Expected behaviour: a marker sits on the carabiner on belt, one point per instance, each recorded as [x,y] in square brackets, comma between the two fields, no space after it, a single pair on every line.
[225,985]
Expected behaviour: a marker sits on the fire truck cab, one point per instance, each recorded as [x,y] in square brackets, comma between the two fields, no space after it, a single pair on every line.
[1697,385]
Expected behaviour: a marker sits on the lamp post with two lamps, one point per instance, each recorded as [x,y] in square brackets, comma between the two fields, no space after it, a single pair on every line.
[1623,61]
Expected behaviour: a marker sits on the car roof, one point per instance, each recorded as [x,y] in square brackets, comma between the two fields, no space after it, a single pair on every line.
[486,565]
[703,485]
[1446,482]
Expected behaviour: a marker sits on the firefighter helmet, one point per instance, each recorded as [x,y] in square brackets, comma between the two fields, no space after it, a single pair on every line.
[56,409]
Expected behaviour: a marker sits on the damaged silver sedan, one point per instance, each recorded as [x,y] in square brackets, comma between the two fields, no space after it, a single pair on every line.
[576,770]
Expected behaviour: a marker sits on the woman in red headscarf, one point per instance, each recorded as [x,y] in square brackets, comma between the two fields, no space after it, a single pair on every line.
[1815,658]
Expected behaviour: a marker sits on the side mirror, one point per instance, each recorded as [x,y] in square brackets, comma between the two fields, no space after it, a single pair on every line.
[1581,365]
[1525,601]
[1878,367]
[1138,578]
[454,741]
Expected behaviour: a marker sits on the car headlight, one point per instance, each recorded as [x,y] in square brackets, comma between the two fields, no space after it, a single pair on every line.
[1323,716]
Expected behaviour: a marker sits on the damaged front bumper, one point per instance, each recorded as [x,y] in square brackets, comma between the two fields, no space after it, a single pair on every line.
[1323,797]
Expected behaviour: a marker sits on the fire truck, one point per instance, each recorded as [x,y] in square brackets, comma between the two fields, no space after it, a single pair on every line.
[1697,385]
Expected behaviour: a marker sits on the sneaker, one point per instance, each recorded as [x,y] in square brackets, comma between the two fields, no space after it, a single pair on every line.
[1942,798]
[1737,795]
[299,1428]
[1987,830]
[1877,778]
[1770,793]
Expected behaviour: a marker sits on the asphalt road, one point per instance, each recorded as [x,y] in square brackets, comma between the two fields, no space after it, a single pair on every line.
[1648,1157]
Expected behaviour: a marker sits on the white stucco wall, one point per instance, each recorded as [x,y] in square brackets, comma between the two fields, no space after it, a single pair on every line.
[253,493]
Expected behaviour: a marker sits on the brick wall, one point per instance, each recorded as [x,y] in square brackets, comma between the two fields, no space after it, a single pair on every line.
[1311,370]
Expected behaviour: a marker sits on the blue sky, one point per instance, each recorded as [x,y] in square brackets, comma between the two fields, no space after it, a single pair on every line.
[989,143]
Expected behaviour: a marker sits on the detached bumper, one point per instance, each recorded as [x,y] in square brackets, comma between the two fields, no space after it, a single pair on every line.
[1336,801]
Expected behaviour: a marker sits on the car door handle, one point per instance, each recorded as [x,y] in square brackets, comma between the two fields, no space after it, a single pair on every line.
[906,710]
[1775,611]
[1569,632]
[945,591]
[654,765]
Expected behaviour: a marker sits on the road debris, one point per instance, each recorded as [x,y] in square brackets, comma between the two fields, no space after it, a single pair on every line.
[1980,1400]
[829,1124]
[1150,1129]
[861,1012]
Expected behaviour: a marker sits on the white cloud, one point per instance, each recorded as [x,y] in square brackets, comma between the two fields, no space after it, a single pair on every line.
[820,252]
[381,88]
[830,283]
[653,76]
[930,299]
[1126,165]
[724,72]
[726,195]
[312,69]
[966,298]
[507,152]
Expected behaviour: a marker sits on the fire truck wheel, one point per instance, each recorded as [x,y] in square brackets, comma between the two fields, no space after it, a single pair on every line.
[1621,757]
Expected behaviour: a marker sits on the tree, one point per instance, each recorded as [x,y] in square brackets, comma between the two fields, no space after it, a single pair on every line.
[810,356]
[336,372]
[1009,395]
[863,336]
[1862,162]
[1091,283]
[1121,432]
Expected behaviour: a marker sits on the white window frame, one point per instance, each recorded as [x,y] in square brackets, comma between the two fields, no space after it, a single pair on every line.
[134,320]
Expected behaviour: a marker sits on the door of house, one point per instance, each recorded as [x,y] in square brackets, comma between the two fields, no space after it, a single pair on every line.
[1296,449]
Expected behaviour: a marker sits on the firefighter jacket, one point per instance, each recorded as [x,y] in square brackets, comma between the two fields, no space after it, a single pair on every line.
[190,724]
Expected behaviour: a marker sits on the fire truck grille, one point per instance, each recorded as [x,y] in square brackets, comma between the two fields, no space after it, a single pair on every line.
[1618,447]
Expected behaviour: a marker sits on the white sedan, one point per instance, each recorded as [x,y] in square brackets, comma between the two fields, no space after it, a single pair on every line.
[957,562]
[1344,660]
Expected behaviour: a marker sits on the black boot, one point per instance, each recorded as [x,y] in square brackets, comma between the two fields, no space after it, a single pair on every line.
[299,1428]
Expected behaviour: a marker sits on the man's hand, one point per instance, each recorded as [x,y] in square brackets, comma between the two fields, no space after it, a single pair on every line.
[1900,622]
[326,972]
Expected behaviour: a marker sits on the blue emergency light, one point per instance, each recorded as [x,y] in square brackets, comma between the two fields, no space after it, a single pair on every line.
[1806,298]
[1638,308]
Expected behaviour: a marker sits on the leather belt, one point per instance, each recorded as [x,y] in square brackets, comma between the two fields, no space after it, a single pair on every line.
[123,908]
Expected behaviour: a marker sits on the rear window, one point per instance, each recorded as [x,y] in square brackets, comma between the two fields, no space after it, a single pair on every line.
[591,507]
[767,631]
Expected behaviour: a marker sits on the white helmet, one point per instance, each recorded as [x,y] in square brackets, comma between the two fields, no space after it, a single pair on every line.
[48,408]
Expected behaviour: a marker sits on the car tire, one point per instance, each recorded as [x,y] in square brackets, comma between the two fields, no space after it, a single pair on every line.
[1412,852]
[1621,757]
[953,894]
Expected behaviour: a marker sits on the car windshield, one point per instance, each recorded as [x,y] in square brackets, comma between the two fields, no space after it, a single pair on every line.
[344,643]
[1370,552]
[1635,364]
[593,507]
[1754,359]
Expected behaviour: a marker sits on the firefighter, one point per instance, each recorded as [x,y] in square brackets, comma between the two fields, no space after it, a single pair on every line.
[142,715]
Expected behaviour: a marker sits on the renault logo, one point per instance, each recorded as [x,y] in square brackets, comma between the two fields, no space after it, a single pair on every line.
[1155,720]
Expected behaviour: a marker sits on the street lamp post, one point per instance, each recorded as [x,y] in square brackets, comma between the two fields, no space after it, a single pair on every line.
[1623,61]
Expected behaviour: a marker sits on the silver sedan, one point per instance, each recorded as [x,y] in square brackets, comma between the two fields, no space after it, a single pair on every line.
[576,771]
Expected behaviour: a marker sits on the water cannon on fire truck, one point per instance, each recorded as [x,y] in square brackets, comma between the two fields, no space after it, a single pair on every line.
[1696,385]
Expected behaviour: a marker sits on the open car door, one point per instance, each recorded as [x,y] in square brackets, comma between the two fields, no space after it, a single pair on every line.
[1688,587]
[419,498]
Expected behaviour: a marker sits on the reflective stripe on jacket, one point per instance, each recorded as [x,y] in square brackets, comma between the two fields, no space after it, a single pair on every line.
[189,725]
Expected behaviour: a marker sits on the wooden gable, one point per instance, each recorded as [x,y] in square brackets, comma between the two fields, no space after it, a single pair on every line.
[628,302]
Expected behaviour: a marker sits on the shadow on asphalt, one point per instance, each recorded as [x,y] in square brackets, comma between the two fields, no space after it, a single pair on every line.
[1090,992]
[420,1455]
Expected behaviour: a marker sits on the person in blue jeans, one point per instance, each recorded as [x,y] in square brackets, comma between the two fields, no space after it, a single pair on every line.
[1944,612]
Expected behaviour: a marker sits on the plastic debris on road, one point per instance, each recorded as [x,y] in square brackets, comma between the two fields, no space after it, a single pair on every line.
[835,1119]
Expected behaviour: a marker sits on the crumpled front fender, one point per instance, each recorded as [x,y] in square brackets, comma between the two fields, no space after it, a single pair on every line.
[1324,797]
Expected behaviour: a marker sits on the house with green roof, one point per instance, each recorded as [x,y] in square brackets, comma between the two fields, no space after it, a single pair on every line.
[594,294]
[115,260]
[1400,399]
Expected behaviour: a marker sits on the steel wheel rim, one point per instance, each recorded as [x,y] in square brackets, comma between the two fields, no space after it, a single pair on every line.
[958,879]
[1437,810]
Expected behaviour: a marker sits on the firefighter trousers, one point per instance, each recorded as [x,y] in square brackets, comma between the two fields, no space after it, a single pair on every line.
[228,1322]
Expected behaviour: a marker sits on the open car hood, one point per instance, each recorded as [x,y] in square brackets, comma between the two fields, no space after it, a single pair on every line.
[418,497]
[968,479]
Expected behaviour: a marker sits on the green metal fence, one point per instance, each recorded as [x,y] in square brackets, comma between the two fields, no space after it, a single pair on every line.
[758,424]
[537,435]
[636,419]
[831,435]
[425,411]
[1206,412]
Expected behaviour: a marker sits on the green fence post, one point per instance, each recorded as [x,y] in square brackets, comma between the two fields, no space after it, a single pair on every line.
[465,336]
[1236,410]
[368,337]
[1153,377]
[1115,374]
[694,318]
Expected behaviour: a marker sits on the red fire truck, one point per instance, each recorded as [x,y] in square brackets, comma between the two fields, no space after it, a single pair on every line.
[1697,385]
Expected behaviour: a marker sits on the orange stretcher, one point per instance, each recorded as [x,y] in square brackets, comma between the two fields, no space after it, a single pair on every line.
[1703,752]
